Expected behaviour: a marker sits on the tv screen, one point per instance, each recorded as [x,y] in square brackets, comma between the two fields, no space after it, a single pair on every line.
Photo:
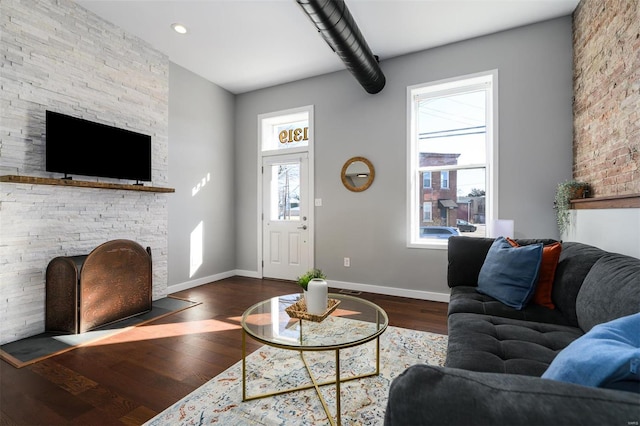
[75,146]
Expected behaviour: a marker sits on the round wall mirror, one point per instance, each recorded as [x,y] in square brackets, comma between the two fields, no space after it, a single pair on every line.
[357,174]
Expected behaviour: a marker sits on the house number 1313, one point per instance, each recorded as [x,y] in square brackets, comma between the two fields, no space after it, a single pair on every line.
[294,135]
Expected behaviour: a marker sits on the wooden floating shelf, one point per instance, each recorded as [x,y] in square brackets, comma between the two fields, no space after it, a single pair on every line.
[81,183]
[630,201]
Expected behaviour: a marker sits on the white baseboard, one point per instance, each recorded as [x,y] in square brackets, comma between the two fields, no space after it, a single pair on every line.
[200,281]
[343,285]
[391,291]
[248,274]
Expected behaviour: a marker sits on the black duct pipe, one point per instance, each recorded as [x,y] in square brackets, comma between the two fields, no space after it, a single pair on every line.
[338,28]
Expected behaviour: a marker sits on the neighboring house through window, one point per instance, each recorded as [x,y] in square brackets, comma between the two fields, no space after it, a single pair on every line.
[451,146]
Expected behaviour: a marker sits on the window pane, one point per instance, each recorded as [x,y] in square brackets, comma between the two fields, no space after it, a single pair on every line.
[472,202]
[426,179]
[285,197]
[444,178]
[285,131]
[453,127]
[291,135]
[426,212]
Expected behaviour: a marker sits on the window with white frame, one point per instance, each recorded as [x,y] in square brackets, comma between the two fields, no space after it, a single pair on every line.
[452,155]
[426,212]
[285,132]
[444,179]
[426,180]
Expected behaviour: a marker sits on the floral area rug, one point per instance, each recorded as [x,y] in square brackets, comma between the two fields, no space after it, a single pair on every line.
[269,369]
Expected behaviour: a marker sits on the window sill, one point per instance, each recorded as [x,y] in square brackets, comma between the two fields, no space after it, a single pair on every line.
[436,245]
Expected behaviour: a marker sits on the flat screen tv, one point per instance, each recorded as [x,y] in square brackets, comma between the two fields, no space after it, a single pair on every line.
[75,146]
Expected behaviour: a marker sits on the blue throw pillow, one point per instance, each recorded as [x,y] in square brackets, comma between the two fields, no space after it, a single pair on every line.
[605,356]
[509,274]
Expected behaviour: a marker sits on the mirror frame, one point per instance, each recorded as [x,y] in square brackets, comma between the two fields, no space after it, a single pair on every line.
[367,184]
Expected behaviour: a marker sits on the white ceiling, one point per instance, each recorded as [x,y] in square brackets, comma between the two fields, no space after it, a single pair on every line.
[244,45]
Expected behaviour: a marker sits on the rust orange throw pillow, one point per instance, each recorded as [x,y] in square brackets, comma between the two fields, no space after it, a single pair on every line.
[544,287]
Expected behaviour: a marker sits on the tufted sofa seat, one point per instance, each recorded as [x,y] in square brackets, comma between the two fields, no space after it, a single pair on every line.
[502,345]
[496,354]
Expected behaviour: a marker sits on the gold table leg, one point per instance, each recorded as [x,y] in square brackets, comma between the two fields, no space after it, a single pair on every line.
[338,381]
[338,396]
[244,365]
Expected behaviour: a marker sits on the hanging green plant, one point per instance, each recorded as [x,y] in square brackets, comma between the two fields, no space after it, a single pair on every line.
[567,191]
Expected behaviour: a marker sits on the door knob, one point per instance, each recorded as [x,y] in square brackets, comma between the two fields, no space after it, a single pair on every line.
[302,227]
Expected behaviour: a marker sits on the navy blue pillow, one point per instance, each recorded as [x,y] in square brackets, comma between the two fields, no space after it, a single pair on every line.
[509,274]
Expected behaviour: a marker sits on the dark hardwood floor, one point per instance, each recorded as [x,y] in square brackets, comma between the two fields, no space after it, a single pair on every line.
[129,378]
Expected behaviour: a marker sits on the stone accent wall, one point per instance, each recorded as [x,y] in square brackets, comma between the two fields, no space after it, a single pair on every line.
[606,38]
[58,56]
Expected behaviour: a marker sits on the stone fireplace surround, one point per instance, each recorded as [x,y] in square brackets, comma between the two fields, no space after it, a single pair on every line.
[61,57]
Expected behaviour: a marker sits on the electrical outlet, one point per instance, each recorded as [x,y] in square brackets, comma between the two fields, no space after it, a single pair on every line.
[347,262]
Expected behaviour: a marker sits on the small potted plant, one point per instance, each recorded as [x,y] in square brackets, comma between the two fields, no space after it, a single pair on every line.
[315,290]
[565,192]
[303,280]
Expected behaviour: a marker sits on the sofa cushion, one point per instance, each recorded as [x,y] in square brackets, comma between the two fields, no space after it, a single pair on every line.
[503,345]
[608,354]
[430,395]
[467,299]
[610,290]
[509,274]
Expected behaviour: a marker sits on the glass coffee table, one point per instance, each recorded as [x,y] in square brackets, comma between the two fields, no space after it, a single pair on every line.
[354,322]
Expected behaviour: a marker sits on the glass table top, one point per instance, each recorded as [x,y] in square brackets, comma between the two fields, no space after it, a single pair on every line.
[355,321]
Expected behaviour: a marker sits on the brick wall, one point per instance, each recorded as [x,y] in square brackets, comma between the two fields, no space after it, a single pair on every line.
[607,96]
[58,56]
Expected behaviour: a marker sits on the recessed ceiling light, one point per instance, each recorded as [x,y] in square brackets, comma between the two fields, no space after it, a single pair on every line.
[179,28]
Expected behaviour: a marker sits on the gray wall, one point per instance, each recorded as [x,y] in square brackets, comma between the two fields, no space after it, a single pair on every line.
[535,135]
[201,170]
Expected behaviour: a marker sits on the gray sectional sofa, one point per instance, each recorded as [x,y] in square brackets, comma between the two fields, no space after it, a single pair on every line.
[497,354]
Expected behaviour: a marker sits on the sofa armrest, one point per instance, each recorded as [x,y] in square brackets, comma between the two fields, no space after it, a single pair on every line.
[430,395]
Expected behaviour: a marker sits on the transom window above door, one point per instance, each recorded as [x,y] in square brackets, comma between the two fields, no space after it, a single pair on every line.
[286,132]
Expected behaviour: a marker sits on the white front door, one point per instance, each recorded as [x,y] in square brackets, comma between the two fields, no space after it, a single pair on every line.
[286,225]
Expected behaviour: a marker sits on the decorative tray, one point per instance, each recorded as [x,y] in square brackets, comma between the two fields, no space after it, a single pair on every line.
[299,310]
